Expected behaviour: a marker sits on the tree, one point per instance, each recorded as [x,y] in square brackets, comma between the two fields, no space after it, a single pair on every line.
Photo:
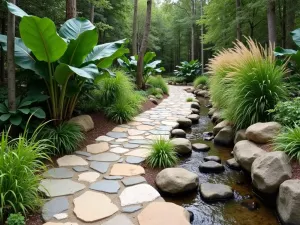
[11,81]
[272,21]
[192,30]
[140,66]
[71,10]
[134,29]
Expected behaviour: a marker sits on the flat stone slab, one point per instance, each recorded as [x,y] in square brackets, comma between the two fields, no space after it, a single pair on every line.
[54,206]
[108,186]
[212,158]
[159,132]
[104,157]
[145,127]
[141,152]
[130,146]
[101,167]
[61,216]
[120,129]
[116,134]
[71,160]
[97,148]
[113,177]
[134,159]
[92,206]
[140,142]
[211,167]
[55,188]
[200,147]
[134,132]
[131,209]
[104,138]
[126,170]
[80,169]
[83,153]
[138,194]
[119,220]
[215,192]
[89,177]
[59,173]
[129,181]
[119,150]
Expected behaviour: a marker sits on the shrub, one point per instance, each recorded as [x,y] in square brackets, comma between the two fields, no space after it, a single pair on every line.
[190,99]
[159,96]
[16,219]
[21,168]
[201,80]
[289,142]
[162,154]
[66,137]
[188,70]
[154,91]
[158,82]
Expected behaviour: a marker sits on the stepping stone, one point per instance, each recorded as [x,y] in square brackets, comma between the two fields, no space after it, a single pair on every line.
[195,111]
[126,170]
[138,194]
[80,168]
[113,177]
[215,192]
[121,160]
[119,150]
[211,167]
[55,188]
[131,209]
[104,157]
[97,148]
[134,123]
[108,186]
[116,134]
[141,152]
[134,132]
[88,177]
[134,160]
[195,105]
[212,158]
[184,122]
[159,132]
[138,137]
[71,160]
[200,147]
[129,181]
[233,164]
[61,216]
[92,206]
[101,167]
[165,128]
[145,127]
[120,129]
[54,206]
[83,153]
[59,173]
[130,146]
[173,124]
[140,142]
[119,220]
[104,138]
[121,140]
[194,118]
[178,133]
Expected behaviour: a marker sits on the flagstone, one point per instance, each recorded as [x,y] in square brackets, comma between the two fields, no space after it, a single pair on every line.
[113,177]
[101,167]
[105,157]
[117,134]
[83,153]
[80,168]
[121,140]
[119,150]
[126,170]
[129,181]
[61,216]
[59,173]
[159,132]
[71,160]
[119,220]
[140,142]
[134,123]
[145,127]
[104,138]
[97,148]
[54,206]
[134,132]
[120,129]
[134,160]
[89,177]
[136,137]
[170,123]
[55,188]
[141,152]
[130,146]
[157,137]
[131,209]
[140,119]
[107,186]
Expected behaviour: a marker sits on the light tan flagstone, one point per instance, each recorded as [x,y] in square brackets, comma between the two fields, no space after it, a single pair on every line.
[121,140]
[136,137]
[92,206]
[61,216]
[88,177]
[126,170]
[120,129]
[119,150]
[67,223]
[141,152]
[97,148]
[157,137]
[133,132]
[71,160]
[134,123]
[145,127]
[104,138]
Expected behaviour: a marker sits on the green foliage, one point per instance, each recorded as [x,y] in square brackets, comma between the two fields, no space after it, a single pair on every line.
[158,82]
[175,80]
[289,142]
[188,70]
[155,91]
[159,96]
[190,99]
[66,137]
[16,219]
[21,168]
[287,113]
[162,154]
[201,80]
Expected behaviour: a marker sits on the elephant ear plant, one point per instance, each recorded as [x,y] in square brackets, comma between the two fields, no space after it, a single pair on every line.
[65,59]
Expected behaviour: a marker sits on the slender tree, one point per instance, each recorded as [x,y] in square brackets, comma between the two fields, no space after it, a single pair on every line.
[144,45]
[272,21]
[2,56]
[290,21]
[71,10]
[92,12]
[192,30]
[202,37]
[134,29]
[11,73]
[238,22]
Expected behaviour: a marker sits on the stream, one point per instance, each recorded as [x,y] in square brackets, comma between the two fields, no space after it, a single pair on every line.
[244,209]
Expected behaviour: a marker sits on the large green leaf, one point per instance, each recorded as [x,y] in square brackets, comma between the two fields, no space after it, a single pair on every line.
[153,64]
[78,49]
[38,112]
[296,36]
[5,117]
[16,10]
[39,34]
[16,119]
[148,57]
[72,28]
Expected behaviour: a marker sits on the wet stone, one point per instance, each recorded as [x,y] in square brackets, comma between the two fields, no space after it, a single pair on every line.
[178,133]
[211,167]
[80,169]
[116,134]
[129,181]
[107,186]
[105,157]
[83,153]
[215,192]
[131,209]
[200,147]
[59,173]
[54,206]
[101,167]
[134,160]
[212,158]
[233,164]
[113,177]
[130,146]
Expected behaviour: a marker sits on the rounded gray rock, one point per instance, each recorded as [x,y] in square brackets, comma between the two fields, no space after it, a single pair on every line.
[200,147]
[211,167]
[212,158]
[225,137]
[184,122]
[178,133]
[194,118]
[233,164]
[215,192]
[195,105]
[182,146]
[263,133]
[195,111]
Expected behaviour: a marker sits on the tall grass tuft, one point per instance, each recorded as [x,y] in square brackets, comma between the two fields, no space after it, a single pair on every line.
[158,82]
[200,80]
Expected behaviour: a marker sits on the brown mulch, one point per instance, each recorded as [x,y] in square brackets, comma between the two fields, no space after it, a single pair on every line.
[150,174]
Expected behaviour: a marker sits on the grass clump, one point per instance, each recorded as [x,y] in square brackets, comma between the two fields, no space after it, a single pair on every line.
[200,80]
[289,142]
[15,219]
[162,154]
[158,82]
[190,99]
[159,96]
[154,91]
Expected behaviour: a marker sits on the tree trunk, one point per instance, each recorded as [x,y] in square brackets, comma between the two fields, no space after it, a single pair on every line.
[134,31]
[238,23]
[70,9]
[92,12]
[202,36]
[144,45]
[11,61]
[192,30]
[272,22]
[2,56]
[290,22]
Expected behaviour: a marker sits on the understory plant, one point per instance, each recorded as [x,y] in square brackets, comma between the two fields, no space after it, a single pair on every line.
[162,154]
[15,219]
[200,80]
[188,70]
[190,99]
[158,82]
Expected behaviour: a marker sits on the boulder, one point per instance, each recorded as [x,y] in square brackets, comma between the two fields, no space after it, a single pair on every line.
[240,135]
[233,164]
[212,158]
[288,202]
[176,180]
[211,111]
[270,170]
[262,133]
[211,167]
[202,93]
[195,111]
[220,126]
[84,121]
[182,146]
[200,147]
[178,133]
[245,152]
[184,122]
[225,137]
[215,192]
[195,105]
[216,117]
[153,100]
[194,118]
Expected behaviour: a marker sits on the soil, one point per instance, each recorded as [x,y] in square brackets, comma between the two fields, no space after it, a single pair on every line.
[150,174]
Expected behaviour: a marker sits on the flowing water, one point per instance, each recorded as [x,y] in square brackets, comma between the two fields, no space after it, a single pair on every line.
[237,211]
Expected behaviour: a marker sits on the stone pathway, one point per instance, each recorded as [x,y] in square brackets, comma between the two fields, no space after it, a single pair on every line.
[102,184]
